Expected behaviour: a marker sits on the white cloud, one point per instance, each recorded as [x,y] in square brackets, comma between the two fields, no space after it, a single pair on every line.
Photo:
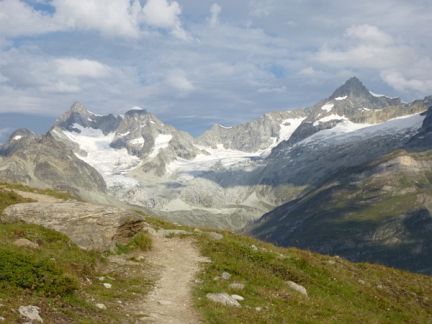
[307,71]
[369,34]
[215,11]
[114,18]
[368,47]
[164,14]
[177,80]
[17,18]
[261,8]
[81,68]
[25,69]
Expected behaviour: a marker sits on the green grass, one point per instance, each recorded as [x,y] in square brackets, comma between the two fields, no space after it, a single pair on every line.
[139,242]
[339,291]
[8,198]
[49,192]
[25,270]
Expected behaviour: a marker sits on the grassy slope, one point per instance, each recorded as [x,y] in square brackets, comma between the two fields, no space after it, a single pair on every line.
[342,216]
[339,291]
[61,278]
[47,191]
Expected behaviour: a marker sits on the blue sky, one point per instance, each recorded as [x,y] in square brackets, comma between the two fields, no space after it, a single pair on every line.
[194,63]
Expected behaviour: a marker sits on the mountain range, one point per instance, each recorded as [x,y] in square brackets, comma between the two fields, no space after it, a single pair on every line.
[349,175]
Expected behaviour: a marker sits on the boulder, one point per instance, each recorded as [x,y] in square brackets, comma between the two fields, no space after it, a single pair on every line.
[302,290]
[238,297]
[223,298]
[30,313]
[90,226]
[22,242]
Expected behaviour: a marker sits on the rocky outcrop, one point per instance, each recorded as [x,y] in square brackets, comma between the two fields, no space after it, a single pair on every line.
[42,161]
[253,136]
[78,114]
[90,226]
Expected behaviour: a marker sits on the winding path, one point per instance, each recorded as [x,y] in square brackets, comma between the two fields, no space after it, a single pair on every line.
[176,262]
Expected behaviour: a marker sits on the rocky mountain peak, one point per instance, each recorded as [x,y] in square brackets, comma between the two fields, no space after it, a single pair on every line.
[137,111]
[20,133]
[78,107]
[79,115]
[353,87]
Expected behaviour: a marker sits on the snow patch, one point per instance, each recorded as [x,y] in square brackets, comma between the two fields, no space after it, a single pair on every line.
[288,126]
[329,118]
[204,162]
[137,141]
[161,142]
[327,107]
[123,134]
[136,108]
[376,94]
[16,138]
[341,98]
[347,131]
[224,127]
[92,113]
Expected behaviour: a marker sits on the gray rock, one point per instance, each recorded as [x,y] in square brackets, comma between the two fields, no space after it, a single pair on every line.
[2,319]
[302,290]
[226,276]
[238,297]
[237,286]
[254,247]
[22,242]
[30,313]
[90,226]
[45,161]
[101,306]
[224,299]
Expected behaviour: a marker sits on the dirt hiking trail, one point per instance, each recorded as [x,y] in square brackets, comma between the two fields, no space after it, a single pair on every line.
[176,262]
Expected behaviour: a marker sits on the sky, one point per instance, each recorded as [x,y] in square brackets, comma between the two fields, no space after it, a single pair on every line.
[195,63]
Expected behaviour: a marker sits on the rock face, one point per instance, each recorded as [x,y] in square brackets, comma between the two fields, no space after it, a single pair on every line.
[253,136]
[90,226]
[43,161]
